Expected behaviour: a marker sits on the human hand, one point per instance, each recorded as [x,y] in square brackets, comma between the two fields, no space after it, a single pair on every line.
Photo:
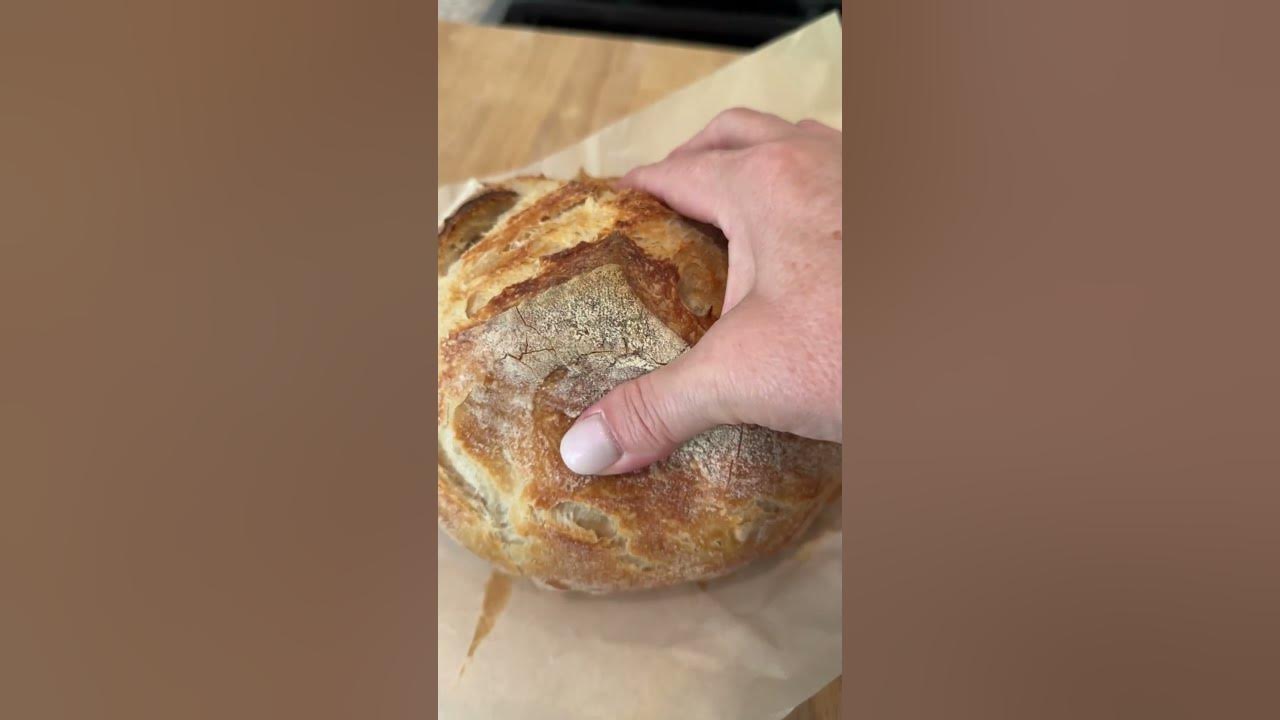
[773,358]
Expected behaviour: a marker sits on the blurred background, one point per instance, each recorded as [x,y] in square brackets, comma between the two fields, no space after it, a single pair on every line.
[730,23]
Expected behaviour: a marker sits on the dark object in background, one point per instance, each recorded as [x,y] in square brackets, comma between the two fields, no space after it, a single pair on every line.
[744,23]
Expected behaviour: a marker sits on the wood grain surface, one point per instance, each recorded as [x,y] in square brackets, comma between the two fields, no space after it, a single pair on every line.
[508,97]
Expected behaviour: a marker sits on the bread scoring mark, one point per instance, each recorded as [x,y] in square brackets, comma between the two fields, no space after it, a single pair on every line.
[481,445]
[468,224]
[493,510]
[586,518]
[475,301]
[510,239]
[652,282]
[576,213]
[455,493]
[690,294]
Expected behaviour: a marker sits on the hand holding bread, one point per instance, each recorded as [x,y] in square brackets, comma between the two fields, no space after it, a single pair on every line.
[773,358]
[709,367]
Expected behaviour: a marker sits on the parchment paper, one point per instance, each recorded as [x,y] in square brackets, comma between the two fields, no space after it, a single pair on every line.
[751,646]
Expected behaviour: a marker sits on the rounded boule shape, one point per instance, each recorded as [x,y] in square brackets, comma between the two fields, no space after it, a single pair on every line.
[552,293]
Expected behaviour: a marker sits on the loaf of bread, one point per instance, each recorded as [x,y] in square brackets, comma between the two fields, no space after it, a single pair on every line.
[550,294]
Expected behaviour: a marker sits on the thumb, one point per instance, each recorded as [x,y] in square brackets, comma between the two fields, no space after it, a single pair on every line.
[644,420]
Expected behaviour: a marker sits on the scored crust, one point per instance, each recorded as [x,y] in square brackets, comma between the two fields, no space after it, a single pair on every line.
[552,293]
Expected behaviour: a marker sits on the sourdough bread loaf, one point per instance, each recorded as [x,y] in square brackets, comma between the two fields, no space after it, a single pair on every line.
[550,294]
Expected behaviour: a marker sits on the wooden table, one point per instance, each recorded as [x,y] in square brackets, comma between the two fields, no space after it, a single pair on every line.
[508,97]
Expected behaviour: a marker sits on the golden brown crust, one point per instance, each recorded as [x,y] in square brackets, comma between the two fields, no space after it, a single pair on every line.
[654,283]
[469,223]
[573,289]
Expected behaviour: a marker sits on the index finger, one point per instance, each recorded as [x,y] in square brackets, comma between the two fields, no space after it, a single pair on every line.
[692,184]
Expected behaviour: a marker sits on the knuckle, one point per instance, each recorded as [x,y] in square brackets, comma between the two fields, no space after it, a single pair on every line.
[733,115]
[738,120]
[644,422]
[776,158]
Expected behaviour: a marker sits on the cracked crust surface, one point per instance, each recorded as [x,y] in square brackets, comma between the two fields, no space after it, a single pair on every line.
[550,294]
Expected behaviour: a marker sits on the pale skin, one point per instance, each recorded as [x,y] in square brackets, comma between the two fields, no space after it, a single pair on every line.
[773,358]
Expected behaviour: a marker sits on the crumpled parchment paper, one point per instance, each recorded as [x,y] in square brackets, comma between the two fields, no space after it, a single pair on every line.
[750,646]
